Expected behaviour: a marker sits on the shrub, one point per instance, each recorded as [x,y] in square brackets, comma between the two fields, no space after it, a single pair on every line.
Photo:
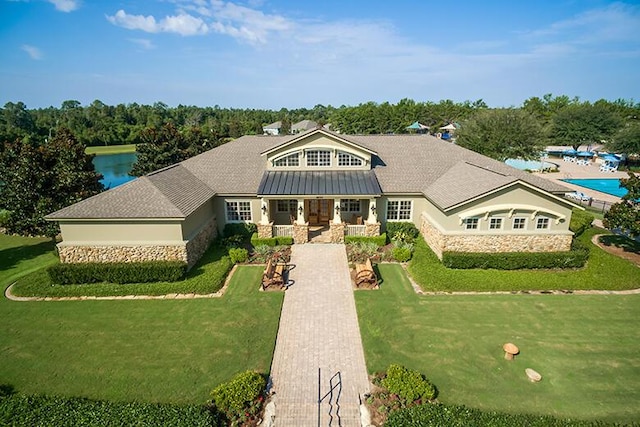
[405,231]
[238,255]
[580,221]
[436,415]
[362,250]
[575,258]
[23,410]
[401,253]
[239,229]
[260,241]
[409,385]
[284,241]
[380,240]
[233,241]
[237,397]
[120,272]
[4,217]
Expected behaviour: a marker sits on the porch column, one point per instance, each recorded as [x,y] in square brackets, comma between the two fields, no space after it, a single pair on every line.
[337,213]
[300,212]
[373,212]
[264,211]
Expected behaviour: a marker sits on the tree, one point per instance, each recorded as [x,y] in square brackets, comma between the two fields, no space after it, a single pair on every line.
[165,146]
[40,179]
[580,124]
[627,140]
[625,215]
[502,134]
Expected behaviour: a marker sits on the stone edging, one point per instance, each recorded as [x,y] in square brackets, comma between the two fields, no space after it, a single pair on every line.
[418,290]
[10,296]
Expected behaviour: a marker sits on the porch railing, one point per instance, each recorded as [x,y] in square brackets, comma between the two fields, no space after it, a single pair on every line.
[283,231]
[355,230]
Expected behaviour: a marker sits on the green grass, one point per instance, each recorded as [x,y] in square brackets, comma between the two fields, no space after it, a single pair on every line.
[172,351]
[21,255]
[207,276]
[111,149]
[603,271]
[585,346]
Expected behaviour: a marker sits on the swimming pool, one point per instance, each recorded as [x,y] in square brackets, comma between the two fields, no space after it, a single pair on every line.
[609,186]
[531,165]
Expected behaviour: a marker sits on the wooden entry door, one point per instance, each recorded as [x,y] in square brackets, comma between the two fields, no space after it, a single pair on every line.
[319,211]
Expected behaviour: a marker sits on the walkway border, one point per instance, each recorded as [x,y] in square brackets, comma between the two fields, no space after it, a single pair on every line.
[220,293]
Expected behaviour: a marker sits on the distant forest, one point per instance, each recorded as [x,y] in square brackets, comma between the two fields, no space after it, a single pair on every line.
[101,124]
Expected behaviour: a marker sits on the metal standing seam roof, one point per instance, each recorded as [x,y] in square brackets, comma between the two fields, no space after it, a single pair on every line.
[319,183]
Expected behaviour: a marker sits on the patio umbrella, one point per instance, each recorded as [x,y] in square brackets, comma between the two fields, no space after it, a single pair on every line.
[417,126]
[450,126]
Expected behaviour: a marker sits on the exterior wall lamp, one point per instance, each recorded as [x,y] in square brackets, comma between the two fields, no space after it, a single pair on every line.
[300,210]
[264,209]
[337,209]
[373,209]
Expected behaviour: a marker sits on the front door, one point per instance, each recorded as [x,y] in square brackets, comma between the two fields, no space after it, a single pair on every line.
[319,211]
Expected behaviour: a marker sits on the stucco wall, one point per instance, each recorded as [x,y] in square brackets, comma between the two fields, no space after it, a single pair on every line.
[122,232]
[420,204]
[220,209]
[194,222]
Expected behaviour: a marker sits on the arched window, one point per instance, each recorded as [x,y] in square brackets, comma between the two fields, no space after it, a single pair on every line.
[347,159]
[292,159]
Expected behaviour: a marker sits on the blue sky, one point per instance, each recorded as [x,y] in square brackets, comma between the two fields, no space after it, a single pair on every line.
[286,53]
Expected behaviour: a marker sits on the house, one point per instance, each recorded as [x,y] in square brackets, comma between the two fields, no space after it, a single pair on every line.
[344,184]
[272,129]
[303,125]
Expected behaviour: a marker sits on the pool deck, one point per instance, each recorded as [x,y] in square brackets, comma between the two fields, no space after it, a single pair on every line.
[570,170]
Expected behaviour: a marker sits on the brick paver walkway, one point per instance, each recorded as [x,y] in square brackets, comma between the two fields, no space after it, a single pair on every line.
[318,329]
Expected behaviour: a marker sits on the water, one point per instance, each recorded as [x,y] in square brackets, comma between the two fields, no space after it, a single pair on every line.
[115,168]
[609,186]
[532,165]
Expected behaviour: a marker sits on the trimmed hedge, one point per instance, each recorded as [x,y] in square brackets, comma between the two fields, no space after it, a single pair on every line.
[117,272]
[437,415]
[238,255]
[580,221]
[575,258]
[54,411]
[271,241]
[239,229]
[380,240]
[408,385]
[238,397]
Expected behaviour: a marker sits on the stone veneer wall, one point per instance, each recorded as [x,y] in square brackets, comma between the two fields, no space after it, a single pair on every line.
[372,230]
[300,233]
[493,243]
[265,231]
[189,252]
[337,232]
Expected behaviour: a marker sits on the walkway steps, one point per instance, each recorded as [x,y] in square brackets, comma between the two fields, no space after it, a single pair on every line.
[318,329]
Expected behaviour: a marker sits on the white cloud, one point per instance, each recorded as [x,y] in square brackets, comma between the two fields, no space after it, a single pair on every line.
[183,24]
[144,43]
[65,5]
[32,51]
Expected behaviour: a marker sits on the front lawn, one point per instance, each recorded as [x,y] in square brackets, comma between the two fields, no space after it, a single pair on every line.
[173,351]
[585,346]
[207,276]
[603,271]
[21,255]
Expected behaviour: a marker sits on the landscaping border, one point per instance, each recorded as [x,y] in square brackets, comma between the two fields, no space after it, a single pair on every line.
[218,294]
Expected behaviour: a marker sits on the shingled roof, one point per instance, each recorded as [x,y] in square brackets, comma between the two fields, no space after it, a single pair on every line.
[403,164]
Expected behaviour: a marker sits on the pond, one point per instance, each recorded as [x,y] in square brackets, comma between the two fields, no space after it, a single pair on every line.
[115,168]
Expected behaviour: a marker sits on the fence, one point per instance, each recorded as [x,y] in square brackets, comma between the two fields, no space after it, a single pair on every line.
[283,231]
[355,230]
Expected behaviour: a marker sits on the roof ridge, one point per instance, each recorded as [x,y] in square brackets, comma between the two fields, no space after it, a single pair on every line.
[485,167]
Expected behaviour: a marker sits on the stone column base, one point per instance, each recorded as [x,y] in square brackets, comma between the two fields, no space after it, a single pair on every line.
[337,232]
[300,233]
[372,229]
[265,231]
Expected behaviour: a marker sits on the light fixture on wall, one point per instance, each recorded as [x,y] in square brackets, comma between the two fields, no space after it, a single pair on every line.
[300,210]
[337,209]
[264,209]
[373,209]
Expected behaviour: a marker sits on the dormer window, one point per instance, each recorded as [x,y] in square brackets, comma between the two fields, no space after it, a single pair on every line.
[290,160]
[347,159]
[318,158]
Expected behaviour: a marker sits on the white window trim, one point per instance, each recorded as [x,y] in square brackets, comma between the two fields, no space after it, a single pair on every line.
[347,202]
[290,203]
[319,150]
[284,156]
[398,201]
[547,227]
[351,156]
[237,202]
[476,222]
[501,219]
[524,226]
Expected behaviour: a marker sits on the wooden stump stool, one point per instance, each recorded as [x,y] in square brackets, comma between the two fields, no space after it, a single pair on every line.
[510,350]
[533,376]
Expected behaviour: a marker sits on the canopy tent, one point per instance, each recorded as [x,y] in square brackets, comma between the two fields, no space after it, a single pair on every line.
[418,127]
[450,126]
